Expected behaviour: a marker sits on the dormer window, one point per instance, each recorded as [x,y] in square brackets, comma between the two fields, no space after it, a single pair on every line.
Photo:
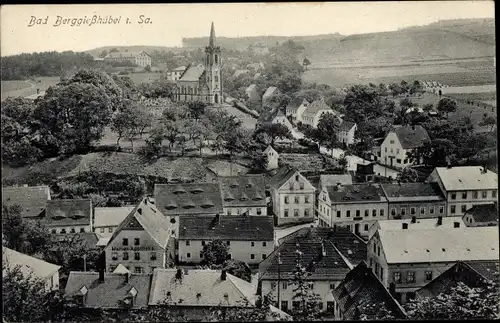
[132,292]
[84,290]
[197,190]
[171,206]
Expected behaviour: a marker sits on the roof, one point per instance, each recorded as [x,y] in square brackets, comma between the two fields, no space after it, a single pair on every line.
[333,179]
[272,90]
[346,125]
[147,216]
[361,287]
[184,199]
[192,73]
[243,190]
[125,54]
[329,265]
[282,175]
[420,224]
[89,239]
[32,199]
[121,269]
[487,269]
[467,178]
[412,136]
[68,212]
[484,212]
[445,245]
[234,227]
[459,272]
[370,193]
[110,216]
[403,192]
[295,103]
[112,291]
[29,265]
[268,149]
[199,288]
[315,107]
[180,68]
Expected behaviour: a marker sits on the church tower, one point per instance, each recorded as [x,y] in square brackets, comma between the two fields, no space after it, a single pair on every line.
[213,69]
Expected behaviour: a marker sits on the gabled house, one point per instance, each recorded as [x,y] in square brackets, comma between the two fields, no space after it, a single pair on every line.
[482,215]
[313,113]
[346,132]
[295,108]
[275,116]
[270,93]
[272,157]
[31,199]
[177,72]
[399,143]
[334,179]
[107,219]
[68,216]
[293,197]
[244,194]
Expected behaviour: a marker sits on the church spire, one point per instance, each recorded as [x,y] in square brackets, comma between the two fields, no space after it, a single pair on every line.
[212,36]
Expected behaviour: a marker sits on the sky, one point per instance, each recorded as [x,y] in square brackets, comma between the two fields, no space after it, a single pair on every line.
[169,23]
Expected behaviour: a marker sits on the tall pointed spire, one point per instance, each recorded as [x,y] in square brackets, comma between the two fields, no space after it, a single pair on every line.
[212,36]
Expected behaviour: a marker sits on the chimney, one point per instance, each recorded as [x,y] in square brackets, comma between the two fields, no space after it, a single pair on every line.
[101,275]
[456,224]
[178,274]
[127,277]
[440,220]
[413,219]
[223,275]
[485,169]
[405,225]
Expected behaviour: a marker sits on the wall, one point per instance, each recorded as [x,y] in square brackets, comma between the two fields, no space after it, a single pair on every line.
[459,202]
[279,205]
[396,208]
[393,149]
[77,228]
[241,210]
[272,160]
[107,233]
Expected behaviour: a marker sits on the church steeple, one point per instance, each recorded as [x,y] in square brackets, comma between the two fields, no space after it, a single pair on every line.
[212,36]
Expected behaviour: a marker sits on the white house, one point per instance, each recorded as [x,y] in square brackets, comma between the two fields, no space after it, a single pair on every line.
[399,143]
[295,108]
[141,58]
[272,157]
[346,133]
[177,73]
[313,113]
[271,92]
[107,219]
[243,194]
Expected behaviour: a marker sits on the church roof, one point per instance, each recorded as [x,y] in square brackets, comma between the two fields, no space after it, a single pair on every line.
[193,73]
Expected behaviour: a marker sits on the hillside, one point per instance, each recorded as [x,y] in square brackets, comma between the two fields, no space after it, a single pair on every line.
[148,49]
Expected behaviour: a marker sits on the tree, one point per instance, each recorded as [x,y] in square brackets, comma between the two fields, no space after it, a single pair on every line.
[306,63]
[343,162]
[215,253]
[304,293]
[239,269]
[274,131]
[103,54]
[147,68]
[488,121]
[416,87]
[197,109]
[125,121]
[447,105]
[259,161]
[327,131]
[408,175]
[428,107]
[373,312]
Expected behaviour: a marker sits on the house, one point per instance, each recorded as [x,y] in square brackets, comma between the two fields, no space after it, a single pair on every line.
[243,194]
[314,111]
[31,199]
[272,158]
[141,58]
[465,186]
[471,273]
[356,206]
[295,108]
[275,116]
[252,93]
[108,291]
[400,143]
[107,219]
[420,200]
[481,215]
[365,173]
[293,197]
[178,200]
[271,92]
[250,238]
[177,72]
[28,265]
[362,288]
[203,82]
[143,240]
[68,216]
[334,179]
[310,248]
[345,134]
[410,259]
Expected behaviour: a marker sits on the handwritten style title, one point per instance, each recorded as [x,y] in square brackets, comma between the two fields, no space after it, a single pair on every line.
[86,21]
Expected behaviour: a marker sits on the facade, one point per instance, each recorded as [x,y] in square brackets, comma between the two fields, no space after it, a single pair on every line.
[243,194]
[203,82]
[356,207]
[293,197]
[365,173]
[280,118]
[142,242]
[272,158]
[107,219]
[465,186]
[68,216]
[176,73]
[407,260]
[31,199]
[399,143]
[313,113]
[141,58]
[250,238]
[482,215]
[420,200]
[295,109]
[346,133]
[48,272]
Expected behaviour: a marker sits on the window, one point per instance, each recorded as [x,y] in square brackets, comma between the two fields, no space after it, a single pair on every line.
[441,209]
[54,231]
[306,199]
[381,273]
[378,251]
[485,194]
[259,211]
[385,149]
[338,214]
[393,211]
[153,268]
[285,285]
[284,306]
[493,194]
[374,212]
[366,227]
[397,277]
[229,212]
[295,212]
[453,209]
[125,256]
[228,243]
[188,243]
[286,213]
[102,230]
[398,160]
[72,230]
[464,195]
[422,210]
[330,306]
[332,285]
[114,256]
[371,262]
[320,304]
[264,243]
[374,248]
[252,244]
[381,212]
[152,255]
[125,242]
[188,255]
[391,142]
[412,211]
[138,270]
[273,285]
[286,199]
[203,243]
[453,196]
[367,212]
[392,150]
[137,255]
[428,275]
[464,208]
[252,256]
[431,209]
[405,161]
[110,230]
[358,213]
[296,200]
[474,195]
[296,178]
[136,241]
[264,256]
[410,277]
[348,213]
[301,185]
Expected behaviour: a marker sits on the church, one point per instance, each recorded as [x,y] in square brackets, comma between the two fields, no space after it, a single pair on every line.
[202,82]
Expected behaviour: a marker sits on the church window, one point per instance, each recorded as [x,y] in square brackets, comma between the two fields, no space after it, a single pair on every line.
[216,78]
[216,59]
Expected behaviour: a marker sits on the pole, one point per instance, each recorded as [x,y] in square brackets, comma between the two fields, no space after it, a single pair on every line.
[84,263]
[279,278]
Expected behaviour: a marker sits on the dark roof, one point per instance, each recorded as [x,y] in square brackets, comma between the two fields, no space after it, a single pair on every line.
[32,200]
[404,190]
[484,212]
[188,199]
[296,103]
[269,114]
[361,287]
[243,190]
[459,272]
[365,169]
[281,176]
[89,238]
[330,266]
[112,291]
[488,269]
[346,125]
[192,73]
[412,136]
[234,227]
[356,193]
[68,212]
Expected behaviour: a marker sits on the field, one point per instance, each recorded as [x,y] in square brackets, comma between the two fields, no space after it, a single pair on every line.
[488,98]
[138,78]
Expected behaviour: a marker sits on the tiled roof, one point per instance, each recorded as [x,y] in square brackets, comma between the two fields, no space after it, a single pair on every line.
[361,287]
[243,190]
[88,238]
[33,199]
[324,266]
[188,199]
[346,125]
[488,269]
[333,179]
[296,103]
[484,212]
[272,90]
[68,212]
[110,216]
[445,245]
[369,193]
[281,176]
[315,107]
[180,68]
[192,73]
[467,178]
[412,136]
[234,227]
[199,288]
[29,265]
[112,291]
[412,191]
